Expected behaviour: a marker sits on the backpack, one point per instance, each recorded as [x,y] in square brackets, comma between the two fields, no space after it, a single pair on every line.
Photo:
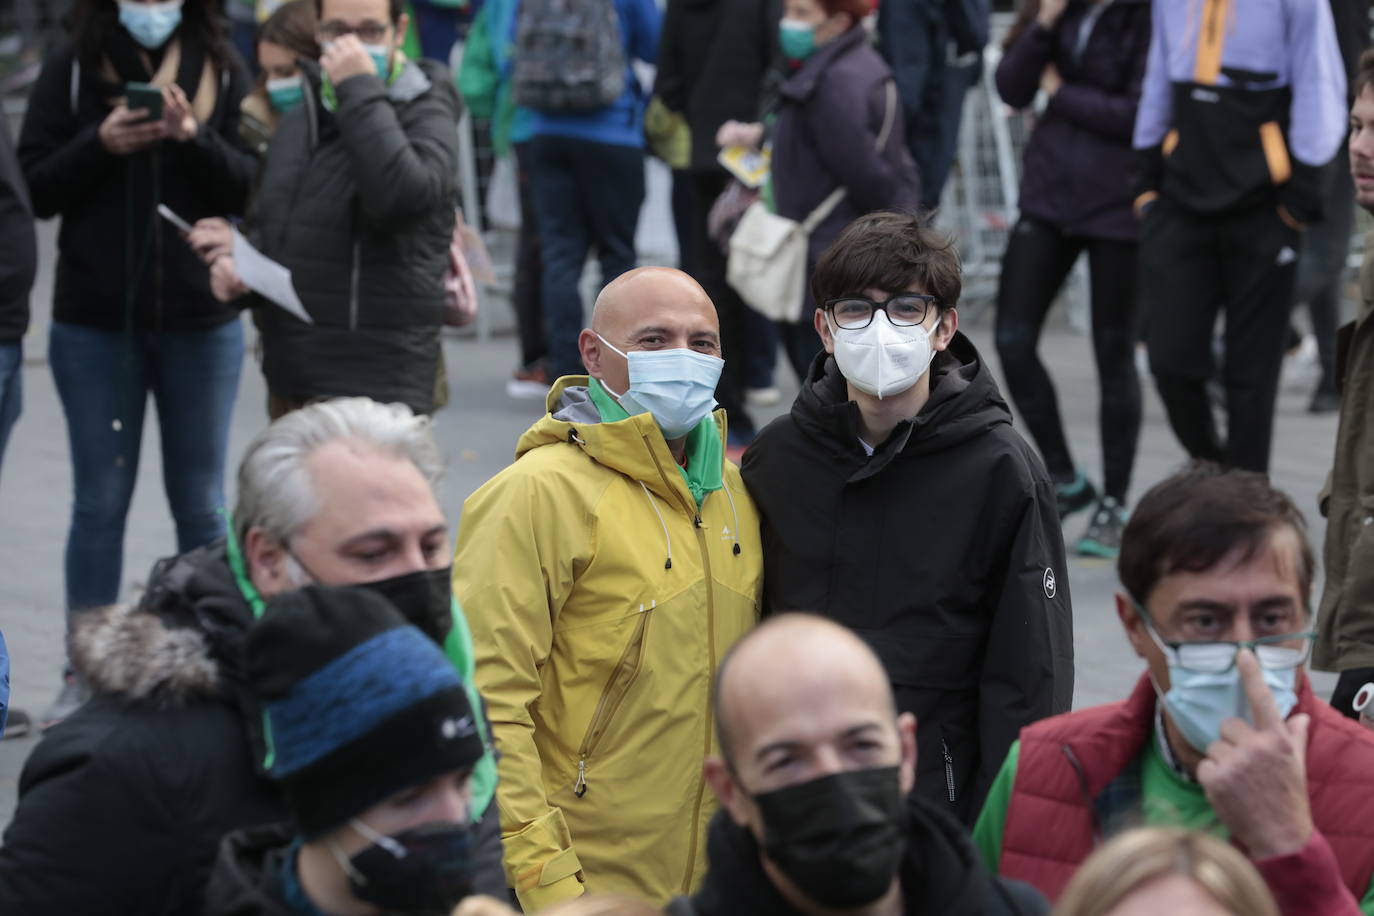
[569,55]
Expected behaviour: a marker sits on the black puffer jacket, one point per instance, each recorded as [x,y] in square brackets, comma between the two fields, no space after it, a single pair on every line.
[941,874]
[123,805]
[943,551]
[100,196]
[19,256]
[359,206]
[712,60]
[246,880]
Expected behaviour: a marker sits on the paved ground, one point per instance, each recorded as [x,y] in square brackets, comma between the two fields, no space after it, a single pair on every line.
[478,432]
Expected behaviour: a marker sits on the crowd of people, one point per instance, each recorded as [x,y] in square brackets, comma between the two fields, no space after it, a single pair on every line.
[671,663]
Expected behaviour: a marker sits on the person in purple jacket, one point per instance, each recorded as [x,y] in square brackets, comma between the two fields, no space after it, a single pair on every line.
[1087,57]
[1242,106]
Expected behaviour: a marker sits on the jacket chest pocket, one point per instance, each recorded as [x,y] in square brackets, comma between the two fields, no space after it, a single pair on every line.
[618,684]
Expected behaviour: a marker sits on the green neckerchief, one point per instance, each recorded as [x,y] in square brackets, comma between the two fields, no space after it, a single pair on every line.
[330,99]
[705,454]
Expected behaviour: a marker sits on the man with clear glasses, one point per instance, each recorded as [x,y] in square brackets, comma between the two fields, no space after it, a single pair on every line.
[898,500]
[1223,732]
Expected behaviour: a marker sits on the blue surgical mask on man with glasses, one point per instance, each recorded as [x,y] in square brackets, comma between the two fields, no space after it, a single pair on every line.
[1205,686]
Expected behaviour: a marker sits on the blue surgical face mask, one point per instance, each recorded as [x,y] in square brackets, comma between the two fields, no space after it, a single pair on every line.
[381,56]
[285,92]
[151,24]
[798,39]
[677,387]
[1199,701]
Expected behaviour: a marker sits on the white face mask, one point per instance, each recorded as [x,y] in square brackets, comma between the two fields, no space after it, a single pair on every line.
[883,359]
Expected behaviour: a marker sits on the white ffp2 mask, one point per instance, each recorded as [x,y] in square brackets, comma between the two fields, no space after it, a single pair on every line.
[883,359]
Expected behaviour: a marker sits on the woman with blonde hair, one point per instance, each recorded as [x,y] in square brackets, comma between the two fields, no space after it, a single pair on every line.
[1158,870]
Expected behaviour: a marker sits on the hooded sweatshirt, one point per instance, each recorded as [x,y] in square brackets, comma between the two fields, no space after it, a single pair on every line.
[601,598]
[943,551]
[940,874]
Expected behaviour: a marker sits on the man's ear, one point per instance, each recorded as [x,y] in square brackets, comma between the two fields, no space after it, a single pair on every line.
[906,736]
[266,558]
[1131,623]
[944,330]
[728,793]
[402,29]
[589,345]
[823,328]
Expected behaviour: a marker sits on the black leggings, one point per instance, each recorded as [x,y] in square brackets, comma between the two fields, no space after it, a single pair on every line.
[1038,258]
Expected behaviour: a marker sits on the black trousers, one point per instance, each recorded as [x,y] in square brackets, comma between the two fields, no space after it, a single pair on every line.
[1039,257]
[1192,267]
[704,260]
[528,296]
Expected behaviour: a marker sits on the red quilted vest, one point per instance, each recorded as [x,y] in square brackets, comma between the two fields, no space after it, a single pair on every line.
[1050,827]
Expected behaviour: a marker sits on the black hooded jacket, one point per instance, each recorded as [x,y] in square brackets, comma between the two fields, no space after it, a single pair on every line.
[941,874]
[123,805]
[246,880]
[943,551]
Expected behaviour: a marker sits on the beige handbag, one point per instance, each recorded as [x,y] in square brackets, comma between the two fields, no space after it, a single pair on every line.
[767,260]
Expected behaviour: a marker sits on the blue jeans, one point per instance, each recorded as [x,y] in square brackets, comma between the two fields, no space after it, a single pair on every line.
[11,387]
[103,380]
[585,194]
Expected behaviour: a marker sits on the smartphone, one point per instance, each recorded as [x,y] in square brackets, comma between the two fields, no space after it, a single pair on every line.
[170,216]
[143,95]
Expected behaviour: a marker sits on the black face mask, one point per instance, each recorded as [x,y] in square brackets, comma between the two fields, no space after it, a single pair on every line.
[419,872]
[840,839]
[424,598]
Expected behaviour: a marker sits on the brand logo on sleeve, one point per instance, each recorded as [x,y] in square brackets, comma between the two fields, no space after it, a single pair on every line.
[1051,583]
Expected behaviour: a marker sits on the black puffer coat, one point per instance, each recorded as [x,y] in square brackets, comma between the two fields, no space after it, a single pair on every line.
[712,60]
[942,874]
[943,551]
[359,206]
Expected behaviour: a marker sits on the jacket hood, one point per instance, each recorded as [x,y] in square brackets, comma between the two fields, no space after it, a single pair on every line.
[179,642]
[940,871]
[244,881]
[634,447]
[802,83]
[964,402]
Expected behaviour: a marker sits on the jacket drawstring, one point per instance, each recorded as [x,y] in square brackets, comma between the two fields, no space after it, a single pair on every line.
[667,563]
[726,488]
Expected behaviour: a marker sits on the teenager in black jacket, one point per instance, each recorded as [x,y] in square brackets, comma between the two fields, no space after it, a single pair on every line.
[898,500]
[132,309]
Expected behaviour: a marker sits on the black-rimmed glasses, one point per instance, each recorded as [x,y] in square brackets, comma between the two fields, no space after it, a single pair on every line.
[904,310]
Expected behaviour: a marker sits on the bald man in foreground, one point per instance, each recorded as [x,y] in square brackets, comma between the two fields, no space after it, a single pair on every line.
[604,574]
[815,776]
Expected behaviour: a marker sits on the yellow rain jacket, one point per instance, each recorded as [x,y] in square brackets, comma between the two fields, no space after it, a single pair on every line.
[601,599]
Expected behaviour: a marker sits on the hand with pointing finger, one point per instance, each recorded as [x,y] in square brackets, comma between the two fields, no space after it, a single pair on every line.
[1256,776]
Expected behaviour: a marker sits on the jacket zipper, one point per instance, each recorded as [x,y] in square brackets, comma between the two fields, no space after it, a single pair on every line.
[695,511]
[949,770]
[613,696]
[353,289]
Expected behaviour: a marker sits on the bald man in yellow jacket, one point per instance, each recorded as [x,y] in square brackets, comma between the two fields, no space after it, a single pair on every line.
[604,574]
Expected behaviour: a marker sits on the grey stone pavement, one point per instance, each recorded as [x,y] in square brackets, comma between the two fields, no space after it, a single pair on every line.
[478,431]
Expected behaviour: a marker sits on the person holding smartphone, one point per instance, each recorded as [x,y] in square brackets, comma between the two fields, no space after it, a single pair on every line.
[132,308]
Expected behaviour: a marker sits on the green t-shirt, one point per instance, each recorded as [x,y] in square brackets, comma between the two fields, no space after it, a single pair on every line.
[705,453]
[1167,800]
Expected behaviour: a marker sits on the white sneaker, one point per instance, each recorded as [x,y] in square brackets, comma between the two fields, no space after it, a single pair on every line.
[1302,366]
[762,397]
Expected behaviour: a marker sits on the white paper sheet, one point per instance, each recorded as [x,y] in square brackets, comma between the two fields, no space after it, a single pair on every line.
[266,277]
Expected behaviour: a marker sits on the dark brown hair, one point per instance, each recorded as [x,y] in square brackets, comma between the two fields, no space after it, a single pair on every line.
[1025,18]
[90,22]
[293,27]
[857,9]
[1364,74]
[1196,518]
[394,7]
[893,252]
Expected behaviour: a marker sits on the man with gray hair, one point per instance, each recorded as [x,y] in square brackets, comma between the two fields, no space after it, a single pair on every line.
[123,804]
